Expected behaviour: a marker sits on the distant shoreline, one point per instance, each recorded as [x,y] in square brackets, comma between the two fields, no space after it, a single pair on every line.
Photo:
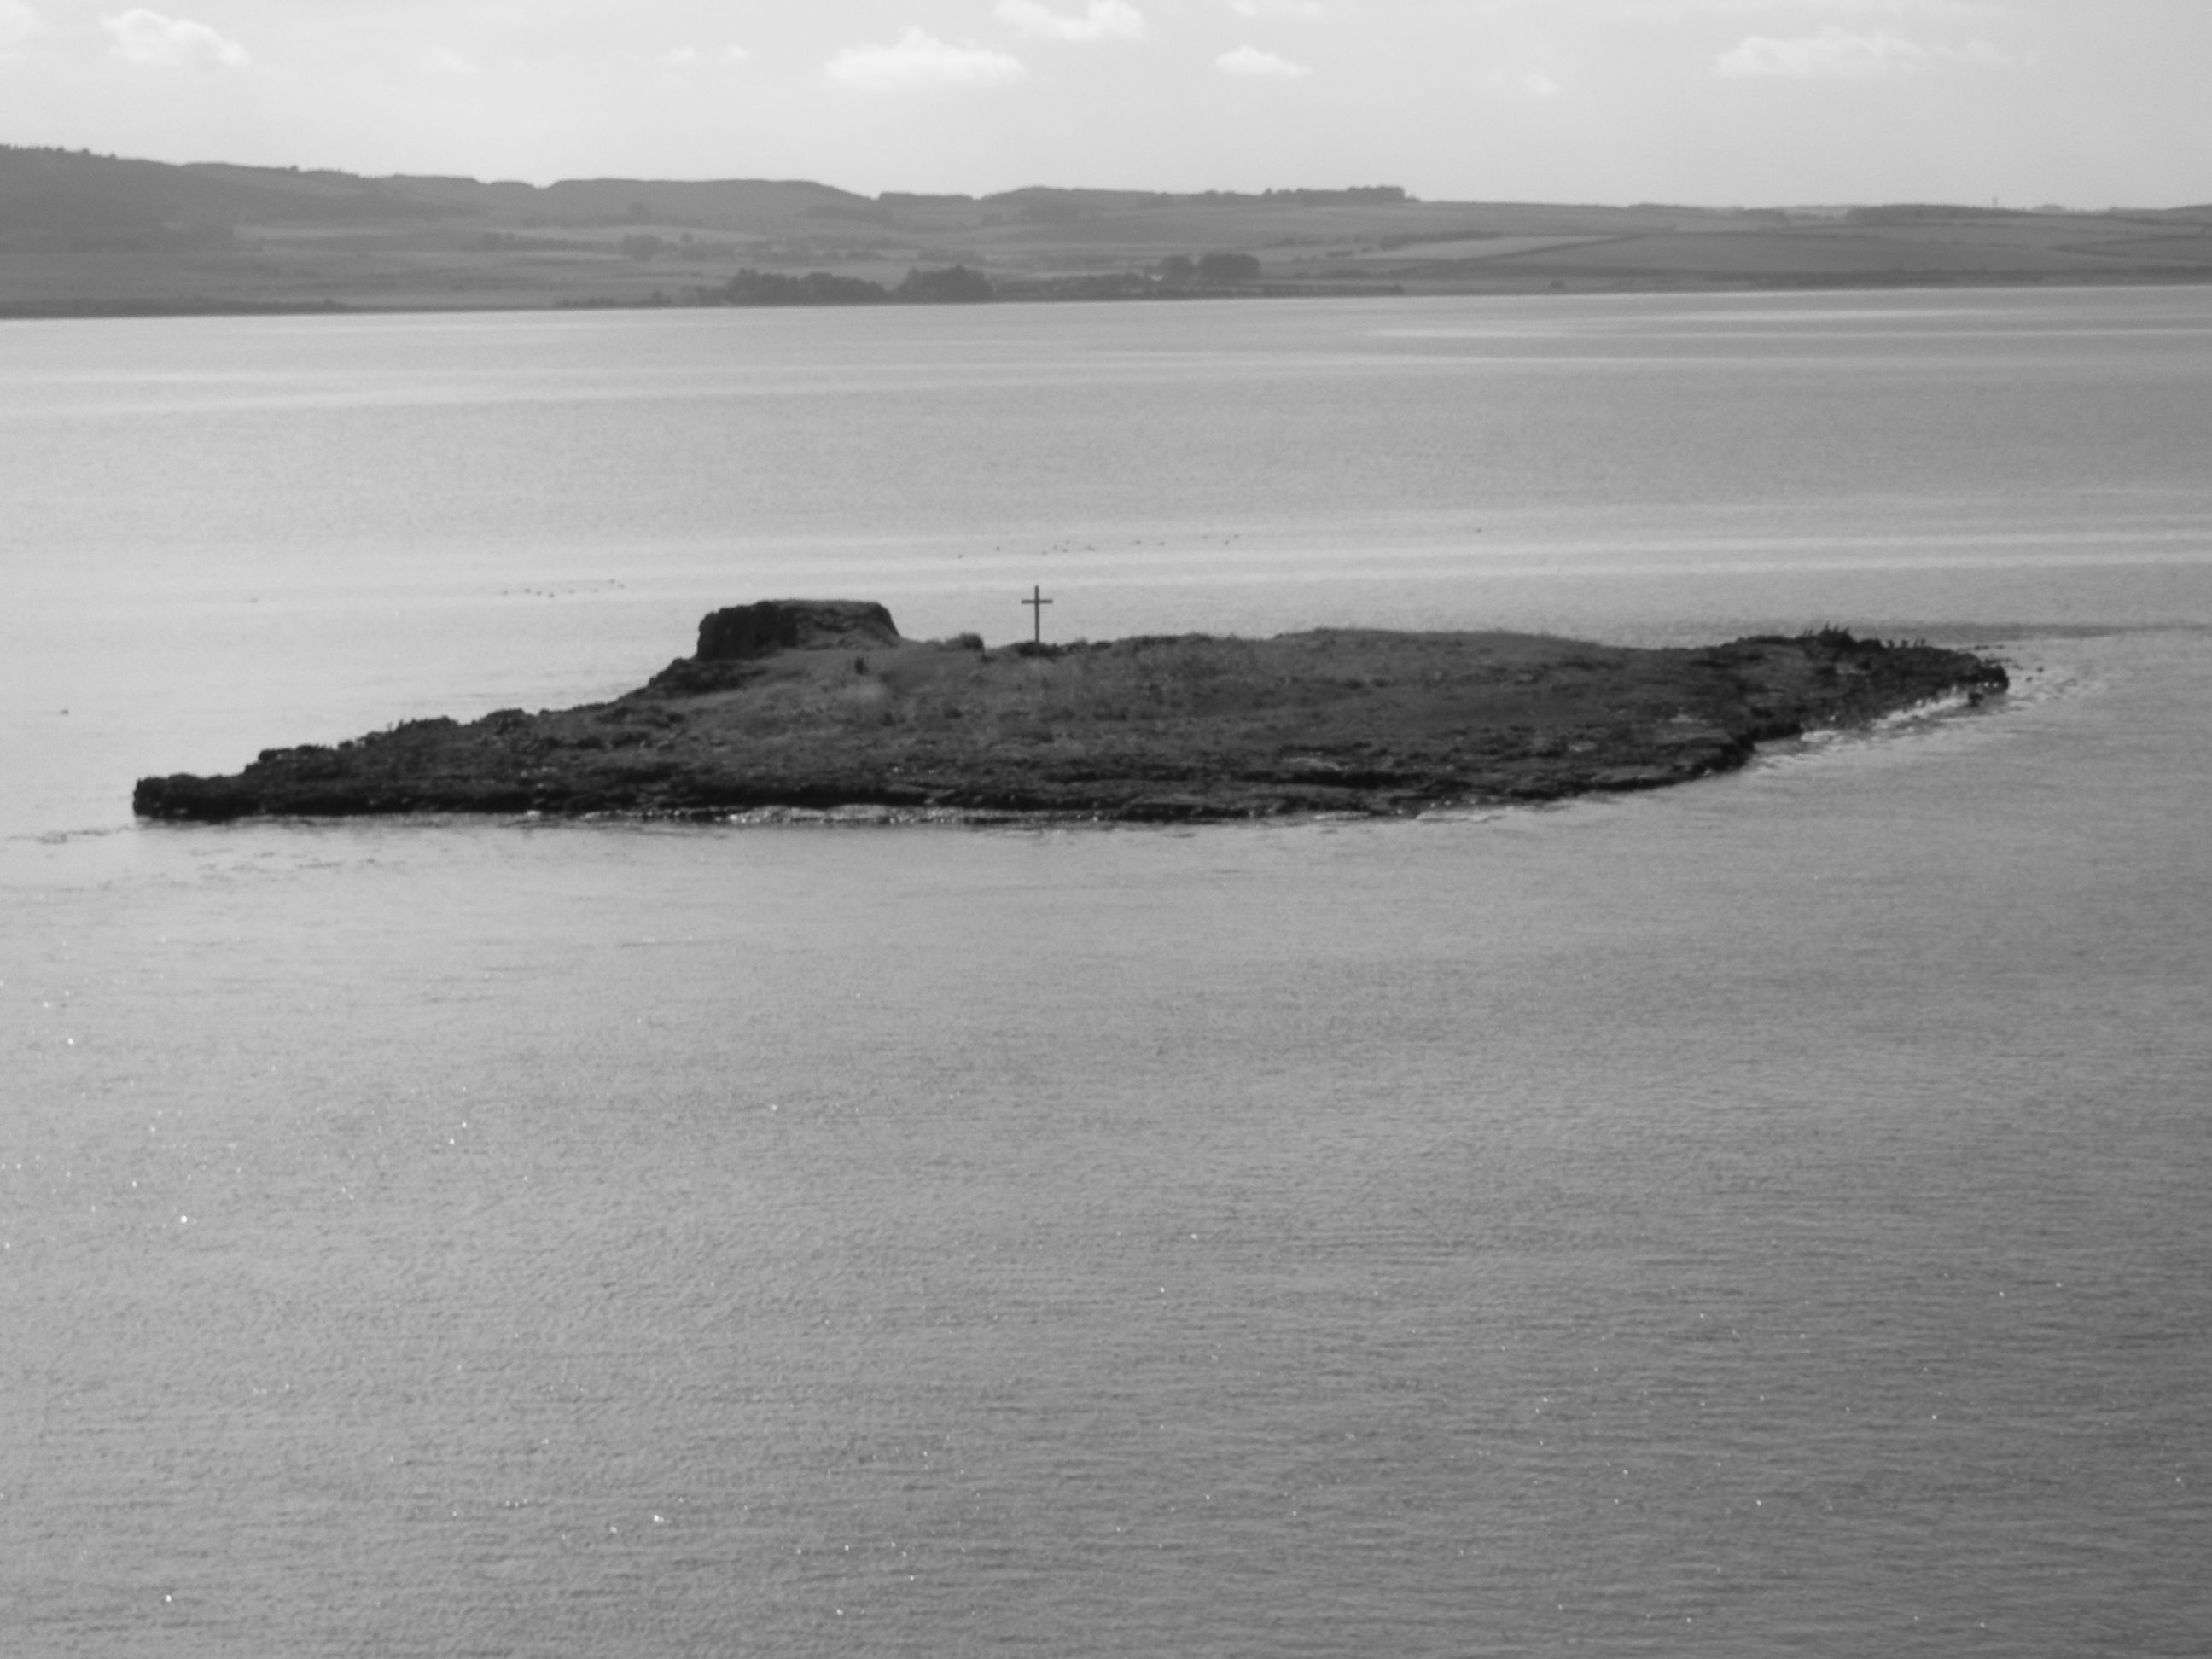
[100,310]
[84,235]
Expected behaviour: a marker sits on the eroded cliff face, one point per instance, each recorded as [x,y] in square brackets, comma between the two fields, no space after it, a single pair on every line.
[822,704]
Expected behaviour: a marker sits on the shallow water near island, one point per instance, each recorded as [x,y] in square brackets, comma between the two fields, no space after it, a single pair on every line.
[1763,1217]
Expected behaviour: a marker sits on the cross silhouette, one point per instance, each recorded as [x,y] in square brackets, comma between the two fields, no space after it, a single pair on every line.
[1036,603]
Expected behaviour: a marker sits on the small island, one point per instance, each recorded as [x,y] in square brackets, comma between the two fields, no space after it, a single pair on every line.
[820,705]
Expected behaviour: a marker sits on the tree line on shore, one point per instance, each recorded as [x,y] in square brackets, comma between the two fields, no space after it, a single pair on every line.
[962,285]
[952,285]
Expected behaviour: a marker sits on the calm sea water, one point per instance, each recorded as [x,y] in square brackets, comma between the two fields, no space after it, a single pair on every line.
[1766,1217]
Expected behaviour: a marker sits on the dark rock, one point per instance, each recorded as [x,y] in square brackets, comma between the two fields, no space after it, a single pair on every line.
[1633,777]
[771,625]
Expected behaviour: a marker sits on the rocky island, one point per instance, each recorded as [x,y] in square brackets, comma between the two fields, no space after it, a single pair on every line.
[821,704]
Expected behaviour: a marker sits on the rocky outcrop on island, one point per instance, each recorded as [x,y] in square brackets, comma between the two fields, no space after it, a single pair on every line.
[817,704]
[759,631]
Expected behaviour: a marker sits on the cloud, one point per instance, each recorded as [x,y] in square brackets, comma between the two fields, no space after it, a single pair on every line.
[1681,11]
[18,26]
[1250,64]
[681,60]
[148,36]
[1523,80]
[1102,20]
[922,60]
[1837,54]
[1275,7]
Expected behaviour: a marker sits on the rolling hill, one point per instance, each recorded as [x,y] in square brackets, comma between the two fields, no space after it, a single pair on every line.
[82,233]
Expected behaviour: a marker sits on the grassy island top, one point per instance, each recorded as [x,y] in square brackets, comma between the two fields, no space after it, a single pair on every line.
[821,704]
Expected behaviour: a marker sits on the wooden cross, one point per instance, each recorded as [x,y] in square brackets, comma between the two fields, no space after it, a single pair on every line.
[1036,603]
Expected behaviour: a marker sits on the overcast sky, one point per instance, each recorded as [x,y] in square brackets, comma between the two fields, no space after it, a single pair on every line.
[2086,102]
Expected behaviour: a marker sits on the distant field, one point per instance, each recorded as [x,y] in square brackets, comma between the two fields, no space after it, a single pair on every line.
[81,234]
[1797,254]
[1495,247]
